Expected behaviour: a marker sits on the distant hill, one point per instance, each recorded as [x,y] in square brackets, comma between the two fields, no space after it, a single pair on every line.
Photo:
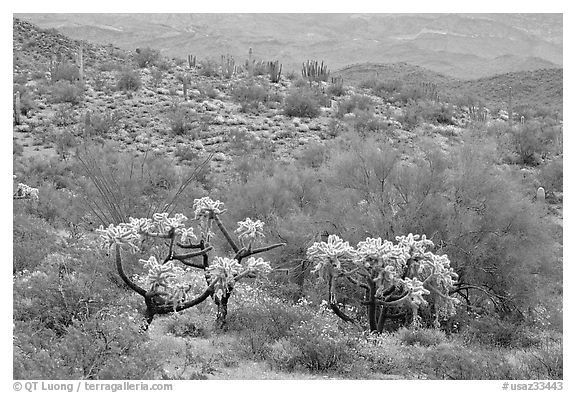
[407,73]
[465,46]
[542,87]
[535,88]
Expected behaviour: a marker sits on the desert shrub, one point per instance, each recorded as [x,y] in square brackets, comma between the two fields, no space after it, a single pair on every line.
[409,94]
[356,102]
[26,100]
[185,153]
[318,345]
[156,75]
[64,115]
[250,96]
[388,88]
[301,103]
[32,240]
[64,91]
[164,64]
[496,332]
[98,348]
[313,155]
[101,123]
[180,120]
[128,80]
[146,57]
[365,122]
[423,337]
[66,72]
[181,326]
[532,141]
[209,68]
[109,66]
[17,148]
[283,355]
[63,142]
[551,175]
[261,319]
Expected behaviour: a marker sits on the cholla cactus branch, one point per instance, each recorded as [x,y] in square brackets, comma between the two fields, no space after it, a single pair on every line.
[183,257]
[259,250]
[139,290]
[226,233]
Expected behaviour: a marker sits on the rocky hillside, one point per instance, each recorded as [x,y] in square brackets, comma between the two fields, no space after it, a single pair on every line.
[219,114]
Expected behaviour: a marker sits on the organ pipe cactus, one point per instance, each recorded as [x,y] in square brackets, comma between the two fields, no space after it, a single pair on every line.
[398,279]
[192,61]
[165,288]
[274,70]
[315,72]
[229,68]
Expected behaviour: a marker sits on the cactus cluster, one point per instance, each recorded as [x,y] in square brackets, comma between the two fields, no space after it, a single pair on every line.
[229,67]
[165,288]
[274,70]
[430,91]
[314,72]
[192,61]
[399,278]
[24,191]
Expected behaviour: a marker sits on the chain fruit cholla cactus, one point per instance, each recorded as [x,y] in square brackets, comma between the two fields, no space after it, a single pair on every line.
[165,288]
[398,279]
[24,191]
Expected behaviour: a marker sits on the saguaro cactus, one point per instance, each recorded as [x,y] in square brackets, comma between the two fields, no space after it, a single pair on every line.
[540,195]
[165,289]
[80,61]
[398,279]
[510,109]
[185,79]
[17,107]
[250,63]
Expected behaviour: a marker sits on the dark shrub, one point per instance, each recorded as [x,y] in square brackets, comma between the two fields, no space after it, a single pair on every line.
[128,80]
[65,91]
[146,57]
[301,103]
[33,239]
[66,72]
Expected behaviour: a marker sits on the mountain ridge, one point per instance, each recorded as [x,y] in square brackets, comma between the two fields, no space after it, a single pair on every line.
[338,39]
